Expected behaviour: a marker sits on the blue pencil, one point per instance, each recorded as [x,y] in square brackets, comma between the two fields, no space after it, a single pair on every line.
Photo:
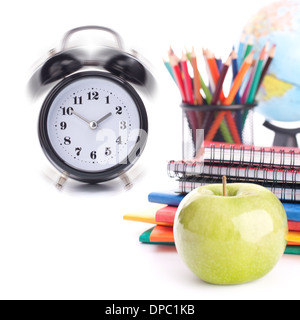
[169,68]
[235,70]
[241,49]
[219,64]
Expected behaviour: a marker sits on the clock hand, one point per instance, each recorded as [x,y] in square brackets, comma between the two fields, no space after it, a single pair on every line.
[104,118]
[81,117]
[92,124]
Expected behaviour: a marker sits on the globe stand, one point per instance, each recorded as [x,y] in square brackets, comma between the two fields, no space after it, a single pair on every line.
[284,137]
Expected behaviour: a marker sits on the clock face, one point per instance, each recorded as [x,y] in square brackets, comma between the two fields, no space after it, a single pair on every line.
[93,125]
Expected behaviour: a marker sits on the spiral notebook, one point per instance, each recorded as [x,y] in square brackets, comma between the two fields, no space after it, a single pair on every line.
[282,157]
[284,193]
[278,175]
[277,169]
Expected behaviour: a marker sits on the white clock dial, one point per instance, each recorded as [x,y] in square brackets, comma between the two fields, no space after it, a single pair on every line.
[93,124]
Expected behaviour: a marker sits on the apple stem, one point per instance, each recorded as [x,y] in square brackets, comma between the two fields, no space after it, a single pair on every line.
[224,186]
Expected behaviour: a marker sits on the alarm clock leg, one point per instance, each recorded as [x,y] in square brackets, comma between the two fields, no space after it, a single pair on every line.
[61,181]
[127,183]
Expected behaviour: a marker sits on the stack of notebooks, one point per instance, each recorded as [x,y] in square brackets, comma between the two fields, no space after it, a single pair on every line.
[276,168]
[162,216]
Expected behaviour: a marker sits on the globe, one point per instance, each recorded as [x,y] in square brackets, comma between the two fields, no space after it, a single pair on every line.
[279,23]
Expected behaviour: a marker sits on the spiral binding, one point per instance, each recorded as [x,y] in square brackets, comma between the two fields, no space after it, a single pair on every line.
[286,193]
[183,169]
[254,153]
[286,189]
[277,170]
[170,172]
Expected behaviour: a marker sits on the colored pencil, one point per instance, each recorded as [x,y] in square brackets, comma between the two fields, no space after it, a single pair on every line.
[235,70]
[171,53]
[178,77]
[210,77]
[254,86]
[187,81]
[210,116]
[239,79]
[249,83]
[233,128]
[228,101]
[216,76]
[219,64]
[188,87]
[216,97]
[193,60]
[219,84]
[257,76]
[249,47]
[213,67]
[169,68]
[198,100]
[197,81]
[241,50]
[219,80]
[267,65]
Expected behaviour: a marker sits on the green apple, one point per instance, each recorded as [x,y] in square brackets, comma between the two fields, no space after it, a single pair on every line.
[231,239]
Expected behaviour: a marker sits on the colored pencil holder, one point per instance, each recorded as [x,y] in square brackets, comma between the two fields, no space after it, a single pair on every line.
[215,123]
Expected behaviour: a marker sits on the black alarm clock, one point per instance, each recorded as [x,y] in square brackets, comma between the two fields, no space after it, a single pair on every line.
[93,125]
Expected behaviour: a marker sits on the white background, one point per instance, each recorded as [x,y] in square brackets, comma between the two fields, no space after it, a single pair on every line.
[74,244]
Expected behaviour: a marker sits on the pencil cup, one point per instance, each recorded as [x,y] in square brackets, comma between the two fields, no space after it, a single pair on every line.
[227,124]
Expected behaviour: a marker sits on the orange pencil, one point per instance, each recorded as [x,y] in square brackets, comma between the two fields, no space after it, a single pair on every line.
[213,67]
[233,128]
[228,101]
[217,95]
[197,83]
[239,79]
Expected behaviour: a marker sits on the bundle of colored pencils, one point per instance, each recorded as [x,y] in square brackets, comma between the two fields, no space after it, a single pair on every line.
[248,73]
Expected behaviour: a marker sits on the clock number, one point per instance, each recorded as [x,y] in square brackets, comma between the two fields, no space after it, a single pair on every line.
[123,125]
[119,110]
[63,125]
[108,151]
[93,155]
[78,150]
[67,111]
[77,100]
[67,141]
[93,95]
[119,140]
